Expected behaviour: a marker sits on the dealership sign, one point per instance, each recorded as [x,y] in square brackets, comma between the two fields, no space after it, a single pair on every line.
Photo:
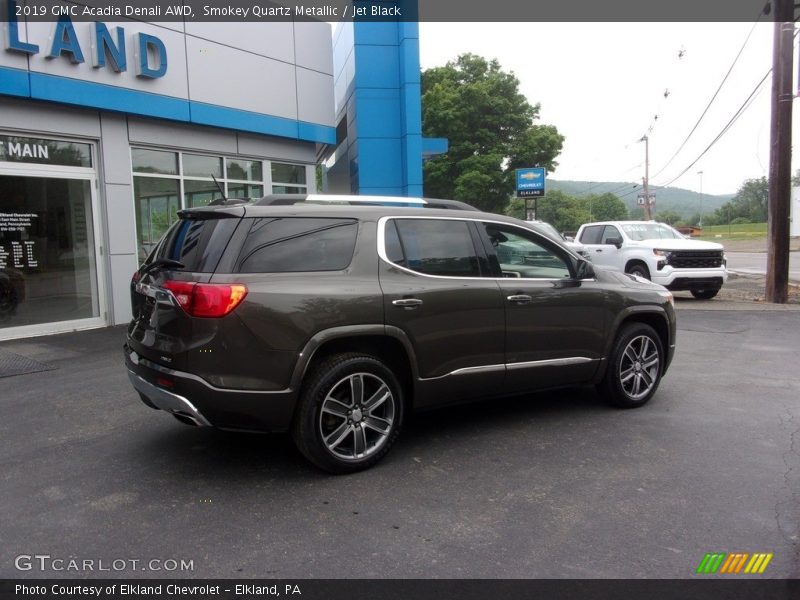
[530,182]
[107,49]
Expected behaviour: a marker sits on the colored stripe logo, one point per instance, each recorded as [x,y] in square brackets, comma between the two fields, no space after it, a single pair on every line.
[734,563]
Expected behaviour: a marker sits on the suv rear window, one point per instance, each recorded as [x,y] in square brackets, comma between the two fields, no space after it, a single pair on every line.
[197,243]
[294,244]
[436,247]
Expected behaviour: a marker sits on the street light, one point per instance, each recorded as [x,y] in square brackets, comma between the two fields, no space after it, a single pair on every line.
[701,198]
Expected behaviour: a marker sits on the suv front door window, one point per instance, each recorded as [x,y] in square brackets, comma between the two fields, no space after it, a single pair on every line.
[434,292]
[552,320]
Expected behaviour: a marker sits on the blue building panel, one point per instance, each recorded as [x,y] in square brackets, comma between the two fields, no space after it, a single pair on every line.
[377,34]
[376,66]
[372,106]
[378,162]
[106,97]
[14,82]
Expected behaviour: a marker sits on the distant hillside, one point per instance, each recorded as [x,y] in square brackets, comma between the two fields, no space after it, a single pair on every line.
[684,202]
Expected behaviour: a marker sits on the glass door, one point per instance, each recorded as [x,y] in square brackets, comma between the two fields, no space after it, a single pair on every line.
[49,276]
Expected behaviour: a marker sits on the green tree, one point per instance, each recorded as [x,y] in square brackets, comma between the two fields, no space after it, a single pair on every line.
[606,207]
[750,202]
[562,211]
[670,217]
[491,130]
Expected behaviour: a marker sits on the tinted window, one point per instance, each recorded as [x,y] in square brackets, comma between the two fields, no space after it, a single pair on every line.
[297,244]
[394,250]
[610,233]
[591,234]
[198,244]
[438,247]
[522,254]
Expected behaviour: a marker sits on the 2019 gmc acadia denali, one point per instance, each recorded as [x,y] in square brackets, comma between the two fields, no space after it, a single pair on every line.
[335,317]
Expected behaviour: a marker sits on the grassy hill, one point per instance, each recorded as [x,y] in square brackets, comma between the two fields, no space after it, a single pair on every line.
[684,202]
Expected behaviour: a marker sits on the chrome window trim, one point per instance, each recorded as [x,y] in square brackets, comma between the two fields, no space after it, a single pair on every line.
[384,257]
[530,364]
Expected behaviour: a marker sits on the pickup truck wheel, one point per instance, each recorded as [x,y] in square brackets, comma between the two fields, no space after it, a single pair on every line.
[640,270]
[634,368]
[705,294]
[349,414]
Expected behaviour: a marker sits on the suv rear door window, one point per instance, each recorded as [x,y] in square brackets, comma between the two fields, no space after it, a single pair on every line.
[287,245]
[437,247]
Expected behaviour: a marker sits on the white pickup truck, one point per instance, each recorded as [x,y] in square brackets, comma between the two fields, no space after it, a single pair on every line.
[657,252]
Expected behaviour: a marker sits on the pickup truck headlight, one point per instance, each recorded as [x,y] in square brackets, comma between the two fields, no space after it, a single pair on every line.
[668,295]
[665,254]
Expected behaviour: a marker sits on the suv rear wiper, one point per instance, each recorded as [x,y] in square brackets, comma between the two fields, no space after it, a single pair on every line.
[163,262]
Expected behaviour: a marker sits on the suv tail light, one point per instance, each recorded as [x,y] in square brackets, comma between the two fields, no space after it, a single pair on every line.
[209,300]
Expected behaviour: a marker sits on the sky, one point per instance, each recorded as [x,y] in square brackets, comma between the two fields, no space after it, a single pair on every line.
[602,84]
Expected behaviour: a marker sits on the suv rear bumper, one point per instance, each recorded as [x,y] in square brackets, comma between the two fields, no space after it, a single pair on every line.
[190,397]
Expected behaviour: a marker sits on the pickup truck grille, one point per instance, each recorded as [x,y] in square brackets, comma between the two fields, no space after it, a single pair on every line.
[696,259]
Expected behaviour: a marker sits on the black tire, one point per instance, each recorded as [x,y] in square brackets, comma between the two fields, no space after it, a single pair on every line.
[705,294]
[619,385]
[328,384]
[640,270]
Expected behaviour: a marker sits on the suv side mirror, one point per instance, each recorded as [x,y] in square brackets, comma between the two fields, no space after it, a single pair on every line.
[585,269]
[615,241]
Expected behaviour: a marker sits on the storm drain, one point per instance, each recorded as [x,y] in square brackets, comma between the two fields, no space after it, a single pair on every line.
[15,364]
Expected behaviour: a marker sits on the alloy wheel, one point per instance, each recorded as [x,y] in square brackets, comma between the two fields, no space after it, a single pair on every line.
[356,416]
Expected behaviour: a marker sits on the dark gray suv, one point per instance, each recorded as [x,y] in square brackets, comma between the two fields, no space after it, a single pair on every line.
[335,319]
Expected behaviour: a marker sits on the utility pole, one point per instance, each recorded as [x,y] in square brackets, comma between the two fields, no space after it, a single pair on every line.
[780,154]
[646,178]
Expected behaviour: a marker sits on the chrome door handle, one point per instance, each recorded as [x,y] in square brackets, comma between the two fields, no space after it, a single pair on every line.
[407,302]
[519,298]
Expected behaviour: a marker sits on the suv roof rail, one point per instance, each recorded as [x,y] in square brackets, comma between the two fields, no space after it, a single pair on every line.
[291,199]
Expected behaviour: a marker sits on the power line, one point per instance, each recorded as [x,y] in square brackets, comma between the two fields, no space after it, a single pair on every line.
[714,97]
[745,105]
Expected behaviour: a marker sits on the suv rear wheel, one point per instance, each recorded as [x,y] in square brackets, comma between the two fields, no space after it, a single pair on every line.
[350,413]
[634,369]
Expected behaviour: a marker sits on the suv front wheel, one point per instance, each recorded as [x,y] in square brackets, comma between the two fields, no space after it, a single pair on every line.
[350,413]
[634,368]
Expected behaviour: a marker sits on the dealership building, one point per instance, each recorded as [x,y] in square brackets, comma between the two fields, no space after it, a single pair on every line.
[107,129]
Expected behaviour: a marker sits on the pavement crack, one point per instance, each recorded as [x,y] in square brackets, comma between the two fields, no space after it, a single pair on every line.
[787,506]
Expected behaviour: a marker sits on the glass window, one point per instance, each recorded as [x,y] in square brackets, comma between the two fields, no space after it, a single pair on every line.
[154,161]
[298,244]
[245,190]
[438,247]
[247,170]
[47,251]
[46,152]
[650,231]
[521,254]
[609,233]
[156,201]
[198,243]
[591,234]
[394,250]
[282,173]
[286,189]
[199,165]
[199,193]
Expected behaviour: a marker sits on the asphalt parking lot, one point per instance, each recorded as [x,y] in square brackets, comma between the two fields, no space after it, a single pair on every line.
[552,485]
